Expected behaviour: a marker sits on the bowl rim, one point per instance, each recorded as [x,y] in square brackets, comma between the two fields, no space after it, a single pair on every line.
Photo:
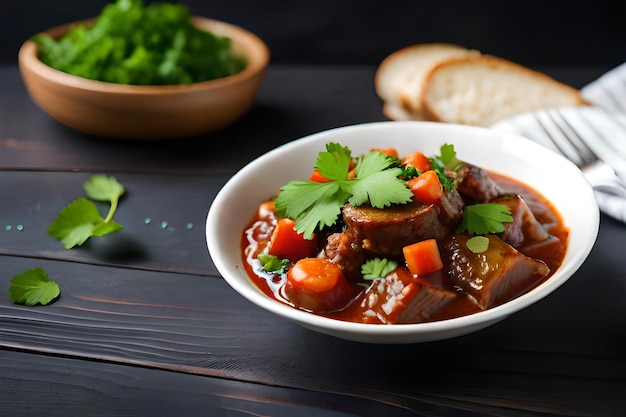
[28,58]
[408,333]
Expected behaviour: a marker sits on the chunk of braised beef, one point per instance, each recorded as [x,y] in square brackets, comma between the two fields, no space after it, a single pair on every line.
[386,231]
[495,276]
[342,250]
[475,185]
[399,298]
[524,229]
[451,208]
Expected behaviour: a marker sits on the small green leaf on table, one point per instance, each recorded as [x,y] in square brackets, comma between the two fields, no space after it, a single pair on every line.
[33,287]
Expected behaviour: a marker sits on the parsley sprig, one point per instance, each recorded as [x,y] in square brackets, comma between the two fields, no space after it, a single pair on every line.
[315,205]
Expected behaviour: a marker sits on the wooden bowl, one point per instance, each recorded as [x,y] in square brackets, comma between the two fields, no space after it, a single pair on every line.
[147,112]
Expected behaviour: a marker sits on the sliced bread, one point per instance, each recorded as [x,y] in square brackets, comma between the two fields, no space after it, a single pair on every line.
[399,77]
[482,90]
[395,111]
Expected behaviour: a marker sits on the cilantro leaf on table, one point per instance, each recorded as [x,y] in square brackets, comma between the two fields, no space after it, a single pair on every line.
[314,205]
[484,218]
[103,188]
[78,222]
[81,219]
[33,287]
[377,268]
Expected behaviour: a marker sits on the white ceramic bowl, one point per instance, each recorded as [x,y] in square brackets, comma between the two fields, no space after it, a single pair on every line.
[555,177]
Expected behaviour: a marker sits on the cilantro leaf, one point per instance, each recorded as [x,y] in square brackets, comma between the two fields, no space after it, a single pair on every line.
[103,188]
[372,163]
[448,156]
[409,172]
[377,268]
[381,189]
[273,264]
[334,164]
[81,220]
[33,287]
[481,219]
[314,205]
[324,213]
[447,160]
[106,228]
[75,223]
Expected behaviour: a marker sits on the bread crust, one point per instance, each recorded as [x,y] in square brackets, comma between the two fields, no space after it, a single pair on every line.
[400,75]
[396,112]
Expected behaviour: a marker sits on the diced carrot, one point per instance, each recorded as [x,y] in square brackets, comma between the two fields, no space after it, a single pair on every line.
[314,274]
[392,152]
[316,284]
[423,257]
[426,187]
[288,243]
[318,177]
[417,160]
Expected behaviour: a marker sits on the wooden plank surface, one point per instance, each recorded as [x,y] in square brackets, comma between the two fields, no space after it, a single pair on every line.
[170,310]
[284,111]
[146,325]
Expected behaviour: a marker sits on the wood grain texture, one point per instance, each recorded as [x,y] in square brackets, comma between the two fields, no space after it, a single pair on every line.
[146,326]
[163,217]
[553,358]
[286,109]
[69,387]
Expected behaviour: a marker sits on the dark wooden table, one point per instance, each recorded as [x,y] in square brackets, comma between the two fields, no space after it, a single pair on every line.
[146,326]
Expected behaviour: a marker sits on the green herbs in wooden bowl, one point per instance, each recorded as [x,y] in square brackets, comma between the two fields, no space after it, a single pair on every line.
[130,43]
[144,72]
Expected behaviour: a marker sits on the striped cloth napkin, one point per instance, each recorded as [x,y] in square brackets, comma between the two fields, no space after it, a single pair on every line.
[605,121]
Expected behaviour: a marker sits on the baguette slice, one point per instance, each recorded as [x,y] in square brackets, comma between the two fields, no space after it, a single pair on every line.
[399,77]
[483,90]
[395,111]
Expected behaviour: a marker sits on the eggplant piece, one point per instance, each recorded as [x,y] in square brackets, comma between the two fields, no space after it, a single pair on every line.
[386,231]
[524,229]
[495,276]
[399,298]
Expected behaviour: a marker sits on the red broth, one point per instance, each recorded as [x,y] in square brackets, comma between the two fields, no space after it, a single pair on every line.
[257,234]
